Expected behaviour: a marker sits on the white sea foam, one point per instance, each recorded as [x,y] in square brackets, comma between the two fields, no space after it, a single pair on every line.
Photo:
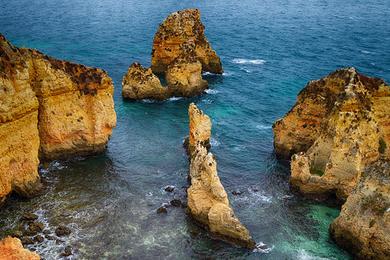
[249,61]
[214,142]
[304,255]
[366,52]
[262,248]
[227,74]
[263,127]
[174,98]
[211,91]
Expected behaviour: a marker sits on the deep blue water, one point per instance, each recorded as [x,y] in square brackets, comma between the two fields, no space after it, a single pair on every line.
[270,49]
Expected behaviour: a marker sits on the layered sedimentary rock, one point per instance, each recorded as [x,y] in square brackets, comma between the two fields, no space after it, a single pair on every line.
[12,248]
[53,107]
[19,137]
[208,202]
[181,52]
[182,31]
[363,226]
[339,125]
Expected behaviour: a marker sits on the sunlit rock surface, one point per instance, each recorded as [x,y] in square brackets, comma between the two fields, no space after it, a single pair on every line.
[363,226]
[179,32]
[208,202]
[48,109]
[339,125]
[12,249]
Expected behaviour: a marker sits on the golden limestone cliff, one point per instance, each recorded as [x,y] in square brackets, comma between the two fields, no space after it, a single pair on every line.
[48,109]
[12,249]
[19,137]
[363,226]
[180,52]
[208,202]
[340,131]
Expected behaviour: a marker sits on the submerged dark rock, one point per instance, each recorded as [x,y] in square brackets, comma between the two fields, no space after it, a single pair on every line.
[67,251]
[175,202]
[169,188]
[162,210]
[63,231]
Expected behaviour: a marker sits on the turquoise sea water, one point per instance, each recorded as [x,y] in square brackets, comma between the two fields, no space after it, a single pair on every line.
[269,49]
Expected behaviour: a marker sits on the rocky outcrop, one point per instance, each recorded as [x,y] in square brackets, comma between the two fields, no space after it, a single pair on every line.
[184,79]
[339,125]
[12,248]
[181,52]
[141,83]
[208,202]
[180,33]
[48,109]
[340,132]
[363,226]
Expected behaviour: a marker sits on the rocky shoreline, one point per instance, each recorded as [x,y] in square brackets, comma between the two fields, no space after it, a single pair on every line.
[338,134]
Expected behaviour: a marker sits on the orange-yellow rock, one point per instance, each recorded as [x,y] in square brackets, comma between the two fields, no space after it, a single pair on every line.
[182,32]
[208,202]
[363,226]
[19,137]
[48,109]
[12,249]
[350,129]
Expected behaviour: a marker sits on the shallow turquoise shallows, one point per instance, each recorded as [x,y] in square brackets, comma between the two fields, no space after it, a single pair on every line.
[270,49]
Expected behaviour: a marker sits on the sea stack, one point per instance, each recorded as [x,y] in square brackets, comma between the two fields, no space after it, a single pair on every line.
[49,109]
[338,134]
[12,248]
[182,32]
[208,202]
[181,53]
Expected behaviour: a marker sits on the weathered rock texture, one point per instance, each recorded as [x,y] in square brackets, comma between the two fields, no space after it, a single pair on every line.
[181,52]
[207,199]
[183,32]
[339,125]
[340,132]
[363,226]
[12,249]
[53,107]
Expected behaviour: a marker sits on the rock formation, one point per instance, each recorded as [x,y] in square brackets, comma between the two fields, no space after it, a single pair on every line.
[339,130]
[180,33]
[141,83]
[11,248]
[181,52]
[363,226]
[339,125]
[48,109]
[207,199]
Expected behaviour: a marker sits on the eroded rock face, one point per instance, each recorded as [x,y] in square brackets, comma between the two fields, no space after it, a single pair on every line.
[183,32]
[12,248]
[19,137]
[339,125]
[51,107]
[208,202]
[76,107]
[363,226]
[141,83]
[340,129]
[184,78]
